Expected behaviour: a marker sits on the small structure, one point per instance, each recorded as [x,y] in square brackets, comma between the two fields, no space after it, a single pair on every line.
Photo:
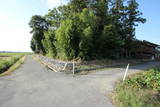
[147,50]
[157,55]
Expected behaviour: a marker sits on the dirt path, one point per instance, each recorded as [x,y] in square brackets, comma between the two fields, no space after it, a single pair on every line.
[32,85]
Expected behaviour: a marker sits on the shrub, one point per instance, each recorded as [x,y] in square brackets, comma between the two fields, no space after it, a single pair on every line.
[149,79]
[140,90]
[67,40]
[5,64]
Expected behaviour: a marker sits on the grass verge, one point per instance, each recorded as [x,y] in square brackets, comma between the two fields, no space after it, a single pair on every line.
[87,67]
[13,67]
[140,90]
[85,72]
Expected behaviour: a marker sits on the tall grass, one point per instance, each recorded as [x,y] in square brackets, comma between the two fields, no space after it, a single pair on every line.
[141,90]
[11,54]
[10,59]
[5,64]
[13,67]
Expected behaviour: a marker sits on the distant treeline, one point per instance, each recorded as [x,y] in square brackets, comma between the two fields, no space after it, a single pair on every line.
[87,29]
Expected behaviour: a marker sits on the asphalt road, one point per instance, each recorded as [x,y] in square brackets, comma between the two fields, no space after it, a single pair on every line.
[32,85]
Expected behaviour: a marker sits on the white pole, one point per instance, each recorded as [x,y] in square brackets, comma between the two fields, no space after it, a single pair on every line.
[125,74]
[73,68]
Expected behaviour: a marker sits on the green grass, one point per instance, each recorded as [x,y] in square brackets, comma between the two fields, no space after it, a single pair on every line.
[140,90]
[87,67]
[11,54]
[84,70]
[13,67]
[8,59]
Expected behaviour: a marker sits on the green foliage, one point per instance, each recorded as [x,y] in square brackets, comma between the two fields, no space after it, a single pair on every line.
[49,43]
[149,79]
[67,40]
[10,54]
[86,43]
[111,45]
[88,18]
[132,97]
[141,90]
[130,19]
[5,64]
[87,29]
[39,26]
[78,5]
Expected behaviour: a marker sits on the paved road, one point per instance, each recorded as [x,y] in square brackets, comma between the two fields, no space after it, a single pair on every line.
[32,85]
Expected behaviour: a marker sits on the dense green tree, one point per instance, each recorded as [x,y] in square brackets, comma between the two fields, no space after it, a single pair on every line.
[67,40]
[112,43]
[49,43]
[53,18]
[87,29]
[33,45]
[78,5]
[130,21]
[101,11]
[86,44]
[39,26]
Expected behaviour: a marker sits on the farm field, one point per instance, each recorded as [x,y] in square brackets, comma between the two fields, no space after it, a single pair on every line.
[8,59]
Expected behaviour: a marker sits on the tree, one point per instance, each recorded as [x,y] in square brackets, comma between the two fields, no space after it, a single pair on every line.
[53,18]
[130,20]
[67,40]
[78,5]
[39,25]
[87,29]
[33,45]
[111,44]
[86,44]
[49,43]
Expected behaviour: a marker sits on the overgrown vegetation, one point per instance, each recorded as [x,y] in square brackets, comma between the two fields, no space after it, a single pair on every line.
[140,90]
[87,29]
[8,59]
[13,67]
[10,54]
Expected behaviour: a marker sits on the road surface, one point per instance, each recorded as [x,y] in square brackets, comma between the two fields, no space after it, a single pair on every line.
[32,85]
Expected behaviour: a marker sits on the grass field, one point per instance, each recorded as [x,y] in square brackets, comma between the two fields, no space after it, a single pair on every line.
[8,59]
[11,54]
[140,90]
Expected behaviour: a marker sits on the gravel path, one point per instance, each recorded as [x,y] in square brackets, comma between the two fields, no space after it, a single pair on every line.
[32,85]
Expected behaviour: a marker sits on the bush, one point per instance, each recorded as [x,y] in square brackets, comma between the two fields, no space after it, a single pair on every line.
[133,97]
[86,44]
[5,64]
[149,79]
[141,90]
[49,43]
[67,40]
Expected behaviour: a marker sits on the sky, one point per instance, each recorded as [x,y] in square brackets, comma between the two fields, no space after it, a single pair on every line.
[15,16]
